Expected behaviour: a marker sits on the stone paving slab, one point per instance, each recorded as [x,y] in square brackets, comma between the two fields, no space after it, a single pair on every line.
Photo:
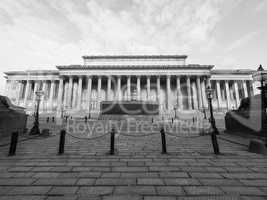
[189,171]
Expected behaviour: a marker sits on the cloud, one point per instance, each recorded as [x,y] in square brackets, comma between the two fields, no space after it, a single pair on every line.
[51,32]
[261,5]
[118,26]
[242,40]
[42,34]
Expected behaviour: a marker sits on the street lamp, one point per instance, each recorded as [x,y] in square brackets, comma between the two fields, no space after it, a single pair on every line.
[175,109]
[262,88]
[212,122]
[204,112]
[35,129]
[89,109]
[257,145]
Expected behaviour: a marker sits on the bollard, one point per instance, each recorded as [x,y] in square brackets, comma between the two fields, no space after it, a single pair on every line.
[163,141]
[112,141]
[85,119]
[152,120]
[53,119]
[61,142]
[47,119]
[13,143]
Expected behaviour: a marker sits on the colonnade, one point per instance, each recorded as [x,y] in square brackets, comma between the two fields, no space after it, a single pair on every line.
[230,92]
[170,91]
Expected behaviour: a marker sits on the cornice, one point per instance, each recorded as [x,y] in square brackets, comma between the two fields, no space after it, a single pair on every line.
[33,72]
[232,72]
[84,67]
[135,57]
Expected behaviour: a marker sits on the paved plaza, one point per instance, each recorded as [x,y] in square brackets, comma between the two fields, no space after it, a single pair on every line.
[137,171]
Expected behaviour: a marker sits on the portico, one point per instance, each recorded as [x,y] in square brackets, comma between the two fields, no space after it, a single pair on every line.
[167,80]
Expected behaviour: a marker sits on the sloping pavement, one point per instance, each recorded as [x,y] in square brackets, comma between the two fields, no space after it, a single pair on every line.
[138,170]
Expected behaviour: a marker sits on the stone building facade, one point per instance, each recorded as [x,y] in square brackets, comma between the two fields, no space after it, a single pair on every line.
[165,79]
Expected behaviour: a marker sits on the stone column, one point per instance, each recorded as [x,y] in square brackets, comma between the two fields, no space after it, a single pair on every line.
[148,87]
[219,96]
[7,87]
[227,95]
[168,92]
[36,83]
[254,88]
[80,87]
[70,91]
[236,94]
[138,80]
[19,91]
[179,93]
[128,87]
[199,96]
[66,94]
[45,87]
[89,90]
[194,95]
[208,82]
[245,88]
[189,96]
[60,96]
[204,87]
[158,89]
[52,92]
[109,88]
[119,88]
[74,94]
[251,89]
[99,96]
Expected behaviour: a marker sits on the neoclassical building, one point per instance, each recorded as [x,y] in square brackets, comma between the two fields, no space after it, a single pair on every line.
[165,79]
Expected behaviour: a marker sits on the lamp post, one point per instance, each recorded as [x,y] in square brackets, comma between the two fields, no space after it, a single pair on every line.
[175,109]
[212,122]
[204,112]
[35,129]
[89,109]
[262,88]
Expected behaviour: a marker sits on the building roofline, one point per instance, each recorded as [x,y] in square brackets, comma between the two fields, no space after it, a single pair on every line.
[232,71]
[32,72]
[190,66]
[135,57]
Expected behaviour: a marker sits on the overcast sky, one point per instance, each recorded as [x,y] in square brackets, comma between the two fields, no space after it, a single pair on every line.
[39,34]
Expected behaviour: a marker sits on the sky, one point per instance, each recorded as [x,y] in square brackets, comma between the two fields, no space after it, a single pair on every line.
[40,34]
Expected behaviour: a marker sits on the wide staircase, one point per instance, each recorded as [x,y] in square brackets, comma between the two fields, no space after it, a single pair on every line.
[51,125]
